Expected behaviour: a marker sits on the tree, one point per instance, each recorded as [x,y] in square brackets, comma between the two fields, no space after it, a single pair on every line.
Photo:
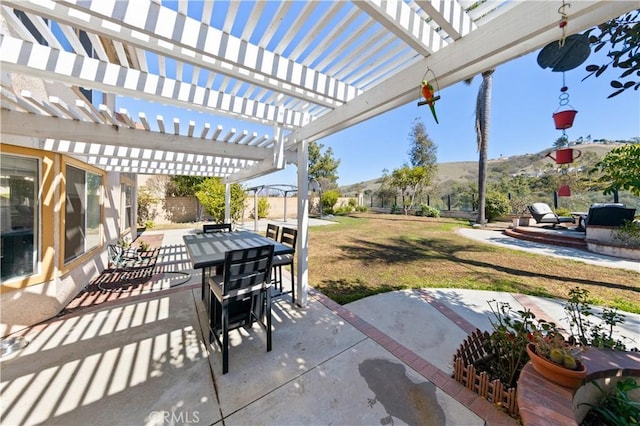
[323,167]
[423,153]
[409,181]
[385,191]
[561,142]
[483,114]
[184,186]
[423,150]
[624,32]
[211,194]
[621,169]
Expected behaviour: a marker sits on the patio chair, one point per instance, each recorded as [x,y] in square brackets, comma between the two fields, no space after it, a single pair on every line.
[289,237]
[209,228]
[272,231]
[216,227]
[542,213]
[241,296]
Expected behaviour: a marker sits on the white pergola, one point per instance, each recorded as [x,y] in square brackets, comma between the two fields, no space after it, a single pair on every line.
[305,69]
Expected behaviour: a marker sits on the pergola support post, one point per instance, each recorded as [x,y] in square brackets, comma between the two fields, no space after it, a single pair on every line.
[302,251]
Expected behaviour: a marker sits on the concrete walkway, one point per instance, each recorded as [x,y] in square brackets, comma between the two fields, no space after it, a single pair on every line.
[386,359]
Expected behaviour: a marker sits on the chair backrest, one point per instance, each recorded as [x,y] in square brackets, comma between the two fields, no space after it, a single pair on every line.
[247,267]
[541,212]
[609,215]
[289,236]
[272,231]
[540,209]
[216,227]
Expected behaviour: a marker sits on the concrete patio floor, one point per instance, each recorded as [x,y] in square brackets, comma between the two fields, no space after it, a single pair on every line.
[145,359]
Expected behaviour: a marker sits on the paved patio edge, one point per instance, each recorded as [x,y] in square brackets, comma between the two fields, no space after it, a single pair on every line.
[478,405]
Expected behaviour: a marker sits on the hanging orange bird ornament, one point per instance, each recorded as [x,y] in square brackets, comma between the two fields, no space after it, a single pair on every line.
[430,98]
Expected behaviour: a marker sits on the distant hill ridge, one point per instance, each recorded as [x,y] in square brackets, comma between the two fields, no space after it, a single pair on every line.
[528,164]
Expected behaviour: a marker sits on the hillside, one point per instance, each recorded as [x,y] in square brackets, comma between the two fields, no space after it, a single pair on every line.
[528,164]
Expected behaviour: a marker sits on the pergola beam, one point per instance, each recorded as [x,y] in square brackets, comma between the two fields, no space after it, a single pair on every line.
[45,127]
[527,26]
[46,63]
[398,17]
[150,26]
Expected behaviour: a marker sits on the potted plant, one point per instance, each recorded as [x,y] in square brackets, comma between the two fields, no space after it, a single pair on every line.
[555,359]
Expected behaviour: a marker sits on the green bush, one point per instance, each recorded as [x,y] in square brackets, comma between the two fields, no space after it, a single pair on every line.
[353,202]
[146,201]
[395,209]
[343,210]
[497,205]
[362,209]
[329,199]
[211,195]
[563,211]
[263,207]
[429,211]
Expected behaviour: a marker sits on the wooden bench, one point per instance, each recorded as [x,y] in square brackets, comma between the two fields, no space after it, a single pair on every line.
[542,402]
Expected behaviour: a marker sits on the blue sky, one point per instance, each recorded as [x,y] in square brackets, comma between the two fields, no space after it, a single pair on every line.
[524,98]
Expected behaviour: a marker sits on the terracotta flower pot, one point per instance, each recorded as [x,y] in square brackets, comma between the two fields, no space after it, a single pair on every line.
[556,373]
[564,119]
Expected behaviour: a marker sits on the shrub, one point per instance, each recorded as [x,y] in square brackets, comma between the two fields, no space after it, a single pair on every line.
[343,210]
[362,209]
[211,195]
[329,199]
[146,201]
[353,202]
[497,205]
[395,209]
[263,208]
[563,211]
[586,332]
[429,211]
[628,234]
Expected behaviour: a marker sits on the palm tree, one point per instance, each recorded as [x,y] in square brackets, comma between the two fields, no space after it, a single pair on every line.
[483,114]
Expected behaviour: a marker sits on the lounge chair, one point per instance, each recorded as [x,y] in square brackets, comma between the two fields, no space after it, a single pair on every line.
[542,213]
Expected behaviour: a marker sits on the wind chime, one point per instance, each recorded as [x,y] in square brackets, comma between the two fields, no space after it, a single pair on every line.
[428,92]
[563,55]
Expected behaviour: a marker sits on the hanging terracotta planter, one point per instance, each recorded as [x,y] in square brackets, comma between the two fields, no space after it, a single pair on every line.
[564,119]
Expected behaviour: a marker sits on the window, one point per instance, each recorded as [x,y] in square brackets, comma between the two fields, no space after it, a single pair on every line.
[19,212]
[127,188]
[83,213]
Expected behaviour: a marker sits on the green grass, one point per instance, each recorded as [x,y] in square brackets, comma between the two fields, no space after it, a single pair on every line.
[366,254]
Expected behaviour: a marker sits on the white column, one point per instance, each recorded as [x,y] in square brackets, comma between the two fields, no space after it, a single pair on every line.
[302,251]
[255,210]
[227,203]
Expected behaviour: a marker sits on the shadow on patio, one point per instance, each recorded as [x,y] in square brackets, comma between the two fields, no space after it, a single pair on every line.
[138,356]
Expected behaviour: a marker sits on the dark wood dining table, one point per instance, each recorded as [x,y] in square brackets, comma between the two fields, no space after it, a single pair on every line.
[207,250]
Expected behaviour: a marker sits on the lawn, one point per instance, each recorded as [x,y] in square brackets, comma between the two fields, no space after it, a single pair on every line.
[370,253]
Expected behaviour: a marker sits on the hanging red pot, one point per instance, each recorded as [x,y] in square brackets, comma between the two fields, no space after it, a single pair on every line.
[564,191]
[564,119]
